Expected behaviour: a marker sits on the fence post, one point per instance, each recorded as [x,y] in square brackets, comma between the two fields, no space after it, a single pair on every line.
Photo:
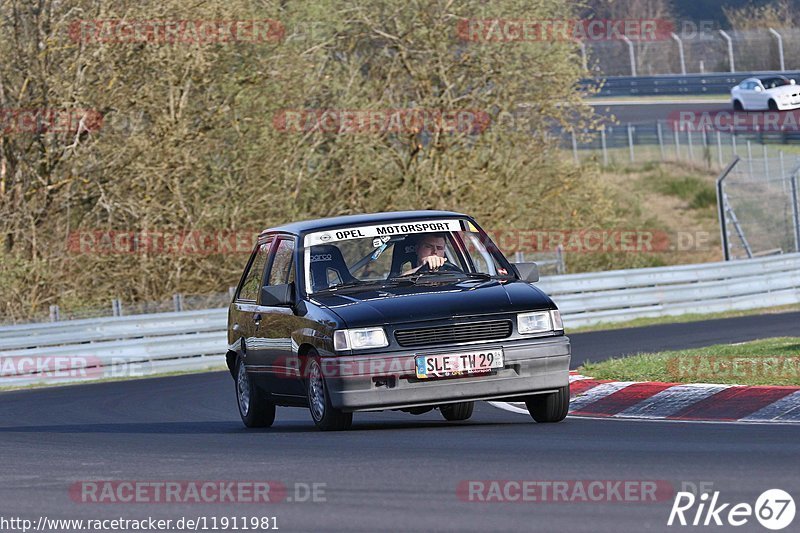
[575,148]
[585,62]
[689,142]
[660,139]
[783,170]
[733,144]
[766,162]
[630,142]
[780,47]
[55,315]
[726,254]
[795,215]
[719,147]
[561,268]
[750,158]
[519,257]
[730,49]
[231,292]
[604,146]
[677,144]
[631,53]
[680,53]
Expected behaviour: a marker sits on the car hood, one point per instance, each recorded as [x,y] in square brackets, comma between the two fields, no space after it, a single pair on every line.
[784,89]
[433,302]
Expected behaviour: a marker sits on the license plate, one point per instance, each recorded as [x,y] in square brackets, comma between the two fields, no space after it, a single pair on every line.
[458,364]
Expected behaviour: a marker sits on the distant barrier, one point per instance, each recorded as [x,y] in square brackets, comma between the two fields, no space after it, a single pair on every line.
[677,85]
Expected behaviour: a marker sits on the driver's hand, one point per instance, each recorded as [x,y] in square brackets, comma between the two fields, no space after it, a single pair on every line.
[434,261]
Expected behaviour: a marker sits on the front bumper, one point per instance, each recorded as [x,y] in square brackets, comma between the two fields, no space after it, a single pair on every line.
[376,382]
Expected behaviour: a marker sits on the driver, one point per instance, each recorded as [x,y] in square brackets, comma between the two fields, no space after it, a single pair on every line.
[430,251]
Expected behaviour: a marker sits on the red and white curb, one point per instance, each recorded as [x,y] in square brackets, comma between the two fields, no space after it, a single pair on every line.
[677,401]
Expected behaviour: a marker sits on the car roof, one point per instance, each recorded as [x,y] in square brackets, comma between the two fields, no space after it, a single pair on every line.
[297,228]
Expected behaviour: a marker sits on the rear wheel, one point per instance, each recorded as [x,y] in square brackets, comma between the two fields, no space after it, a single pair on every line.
[552,407]
[255,408]
[737,105]
[457,411]
[773,105]
[325,416]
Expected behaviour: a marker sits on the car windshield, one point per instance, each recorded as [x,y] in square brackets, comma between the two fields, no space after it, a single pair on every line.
[381,254]
[771,83]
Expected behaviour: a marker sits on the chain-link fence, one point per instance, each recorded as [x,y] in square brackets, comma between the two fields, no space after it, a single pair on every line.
[697,52]
[759,207]
[661,141]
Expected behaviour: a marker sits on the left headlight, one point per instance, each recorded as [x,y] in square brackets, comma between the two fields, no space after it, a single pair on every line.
[539,322]
[359,339]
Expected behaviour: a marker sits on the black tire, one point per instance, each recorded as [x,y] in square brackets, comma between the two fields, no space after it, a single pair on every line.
[324,415]
[773,106]
[457,411]
[737,106]
[551,407]
[255,407]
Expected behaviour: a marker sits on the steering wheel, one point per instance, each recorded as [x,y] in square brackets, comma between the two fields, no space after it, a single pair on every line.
[446,267]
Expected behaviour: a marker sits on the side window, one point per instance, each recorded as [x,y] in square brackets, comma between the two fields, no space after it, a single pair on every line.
[283,265]
[252,280]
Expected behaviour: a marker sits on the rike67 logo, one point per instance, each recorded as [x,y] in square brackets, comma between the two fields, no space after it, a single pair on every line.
[774,509]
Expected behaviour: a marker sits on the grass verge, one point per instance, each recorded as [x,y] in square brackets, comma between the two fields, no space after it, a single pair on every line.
[773,361]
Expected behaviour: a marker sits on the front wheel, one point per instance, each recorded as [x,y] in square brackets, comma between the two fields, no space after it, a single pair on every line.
[325,416]
[255,408]
[737,105]
[457,411]
[773,105]
[551,407]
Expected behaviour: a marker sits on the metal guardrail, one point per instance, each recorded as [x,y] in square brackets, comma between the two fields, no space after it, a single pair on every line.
[196,339]
[677,85]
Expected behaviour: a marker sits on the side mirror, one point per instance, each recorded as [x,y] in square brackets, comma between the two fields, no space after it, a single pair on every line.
[528,271]
[277,295]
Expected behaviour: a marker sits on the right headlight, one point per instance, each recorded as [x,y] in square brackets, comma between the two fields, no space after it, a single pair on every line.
[539,322]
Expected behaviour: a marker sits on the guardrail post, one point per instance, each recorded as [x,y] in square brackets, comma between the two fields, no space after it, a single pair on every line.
[604,146]
[55,315]
[177,301]
[631,53]
[730,49]
[680,53]
[780,47]
[231,292]
[575,148]
[660,140]
[726,254]
[795,216]
[630,143]
[116,307]
[561,268]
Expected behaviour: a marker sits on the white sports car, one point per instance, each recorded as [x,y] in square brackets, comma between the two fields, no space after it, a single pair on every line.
[775,93]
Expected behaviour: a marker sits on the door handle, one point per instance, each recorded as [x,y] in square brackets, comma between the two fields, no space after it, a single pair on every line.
[257,319]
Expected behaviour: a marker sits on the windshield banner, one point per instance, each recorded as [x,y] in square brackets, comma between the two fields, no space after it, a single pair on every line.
[387,230]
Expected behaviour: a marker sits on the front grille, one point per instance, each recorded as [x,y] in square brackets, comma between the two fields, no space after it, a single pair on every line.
[475,331]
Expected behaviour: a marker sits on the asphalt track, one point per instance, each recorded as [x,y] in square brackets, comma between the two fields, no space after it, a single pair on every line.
[650,112]
[393,471]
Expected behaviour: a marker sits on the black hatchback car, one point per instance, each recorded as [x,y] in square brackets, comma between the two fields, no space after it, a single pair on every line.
[411,311]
